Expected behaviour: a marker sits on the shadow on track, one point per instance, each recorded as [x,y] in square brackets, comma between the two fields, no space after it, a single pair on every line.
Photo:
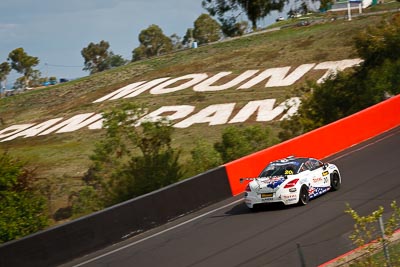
[242,209]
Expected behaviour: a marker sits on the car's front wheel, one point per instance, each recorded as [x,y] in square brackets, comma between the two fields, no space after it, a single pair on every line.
[304,197]
[335,181]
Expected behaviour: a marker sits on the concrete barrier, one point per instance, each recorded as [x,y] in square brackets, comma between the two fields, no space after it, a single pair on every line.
[321,142]
[77,238]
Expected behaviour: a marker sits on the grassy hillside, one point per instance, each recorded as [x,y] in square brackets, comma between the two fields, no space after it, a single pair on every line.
[64,157]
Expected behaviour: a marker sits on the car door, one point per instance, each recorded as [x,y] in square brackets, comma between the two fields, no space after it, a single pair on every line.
[306,174]
[316,168]
[325,175]
[322,172]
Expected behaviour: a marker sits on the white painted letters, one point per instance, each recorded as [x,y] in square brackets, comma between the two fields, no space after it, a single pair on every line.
[75,123]
[179,112]
[11,130]
[32,131]
[206,85]
[334,66]
[131,90]
[217,114]
[214,115]
[278,76]
[193,79]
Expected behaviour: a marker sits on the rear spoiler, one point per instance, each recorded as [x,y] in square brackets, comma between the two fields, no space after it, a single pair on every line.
[241,180]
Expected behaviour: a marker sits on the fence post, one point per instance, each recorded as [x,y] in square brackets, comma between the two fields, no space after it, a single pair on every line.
[384,242]
[349,10]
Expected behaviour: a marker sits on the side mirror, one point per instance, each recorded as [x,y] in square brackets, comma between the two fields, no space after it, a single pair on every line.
[325,166]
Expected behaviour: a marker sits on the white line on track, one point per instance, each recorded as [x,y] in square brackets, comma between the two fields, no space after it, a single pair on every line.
[157,234]
[367,145]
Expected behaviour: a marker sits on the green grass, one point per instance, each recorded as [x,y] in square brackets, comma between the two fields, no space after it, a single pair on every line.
[66,155]
[386,5]
[378,259]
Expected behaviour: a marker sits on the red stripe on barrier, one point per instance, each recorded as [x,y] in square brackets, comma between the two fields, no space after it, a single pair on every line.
[320,142]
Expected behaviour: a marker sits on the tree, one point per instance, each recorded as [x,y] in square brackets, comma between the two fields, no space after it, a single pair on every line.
[22,63]
[254,9]
[153,42]
[131,160]
[36,79]
[113,61]
[379,43]
[22,208]
[98,58]
[206,29]
[324,4]
[290,128]
[345,93]
[86,201]
[188,38]
[238,142]
[176,42]
[230,27]
[144,174]
[139,53]
[19,83]
[204,157]
[305,6]
[5,69]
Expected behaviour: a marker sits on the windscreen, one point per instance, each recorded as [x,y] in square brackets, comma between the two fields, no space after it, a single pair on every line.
[280,169]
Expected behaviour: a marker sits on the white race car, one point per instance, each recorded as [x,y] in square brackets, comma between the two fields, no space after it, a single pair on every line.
[292,181]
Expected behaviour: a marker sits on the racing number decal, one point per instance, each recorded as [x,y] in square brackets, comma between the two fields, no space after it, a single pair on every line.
[288,172]
[324,174]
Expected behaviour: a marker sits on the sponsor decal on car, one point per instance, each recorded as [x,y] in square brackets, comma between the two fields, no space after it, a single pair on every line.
[316,191]
[274,182]
[317,180]
[289,196]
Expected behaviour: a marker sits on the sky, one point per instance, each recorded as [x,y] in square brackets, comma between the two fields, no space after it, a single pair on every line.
[56,31]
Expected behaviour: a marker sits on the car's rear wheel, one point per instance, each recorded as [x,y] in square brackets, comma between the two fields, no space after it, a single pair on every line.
[304,197]
[335,181]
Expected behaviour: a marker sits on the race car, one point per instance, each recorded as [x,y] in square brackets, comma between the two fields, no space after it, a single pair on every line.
[292,180]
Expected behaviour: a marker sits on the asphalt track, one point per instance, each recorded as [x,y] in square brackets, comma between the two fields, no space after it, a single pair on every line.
[228,234]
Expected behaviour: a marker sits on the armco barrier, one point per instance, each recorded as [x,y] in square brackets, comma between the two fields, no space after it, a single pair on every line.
[77,238]
[321,142]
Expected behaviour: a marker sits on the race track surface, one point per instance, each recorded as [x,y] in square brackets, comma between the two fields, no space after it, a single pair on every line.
[228,234]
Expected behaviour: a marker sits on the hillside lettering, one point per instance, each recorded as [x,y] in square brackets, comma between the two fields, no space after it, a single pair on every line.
[186,115]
